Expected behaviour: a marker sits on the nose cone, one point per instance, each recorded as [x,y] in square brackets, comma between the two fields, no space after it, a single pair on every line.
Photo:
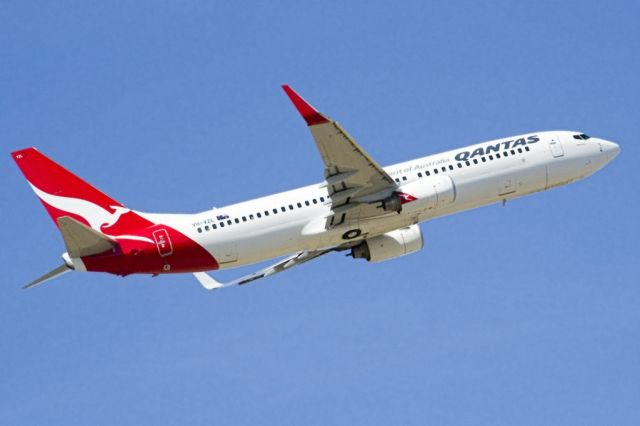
[609,149]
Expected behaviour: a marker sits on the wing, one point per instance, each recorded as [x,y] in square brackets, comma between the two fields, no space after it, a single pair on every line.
[353,178]
[209,283]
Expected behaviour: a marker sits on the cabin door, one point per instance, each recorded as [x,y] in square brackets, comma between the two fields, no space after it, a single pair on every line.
[556,146]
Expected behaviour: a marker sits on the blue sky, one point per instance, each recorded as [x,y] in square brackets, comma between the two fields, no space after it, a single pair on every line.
[525,315]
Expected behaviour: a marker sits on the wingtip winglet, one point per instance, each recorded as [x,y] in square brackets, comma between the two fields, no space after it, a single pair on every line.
[309,113]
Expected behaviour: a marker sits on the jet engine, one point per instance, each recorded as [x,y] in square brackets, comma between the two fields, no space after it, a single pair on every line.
[390,245]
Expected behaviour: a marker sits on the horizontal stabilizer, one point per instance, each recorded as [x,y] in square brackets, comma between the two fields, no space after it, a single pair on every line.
[49,276]
[82,240]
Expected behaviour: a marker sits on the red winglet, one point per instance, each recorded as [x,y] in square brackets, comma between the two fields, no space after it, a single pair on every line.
[309,113]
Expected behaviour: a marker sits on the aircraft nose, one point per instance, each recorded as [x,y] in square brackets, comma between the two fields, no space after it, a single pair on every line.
[609,149]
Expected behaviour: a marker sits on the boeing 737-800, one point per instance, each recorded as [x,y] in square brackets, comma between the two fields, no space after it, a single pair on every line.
[372,212]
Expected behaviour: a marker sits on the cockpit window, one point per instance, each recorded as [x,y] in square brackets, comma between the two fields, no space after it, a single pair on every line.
[582,136]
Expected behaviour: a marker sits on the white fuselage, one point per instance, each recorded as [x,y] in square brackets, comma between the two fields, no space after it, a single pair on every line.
[445,183]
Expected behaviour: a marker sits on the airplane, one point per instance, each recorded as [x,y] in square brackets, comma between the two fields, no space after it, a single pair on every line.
[371,212]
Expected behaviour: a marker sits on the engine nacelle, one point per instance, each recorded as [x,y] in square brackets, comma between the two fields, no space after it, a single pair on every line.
[390,245]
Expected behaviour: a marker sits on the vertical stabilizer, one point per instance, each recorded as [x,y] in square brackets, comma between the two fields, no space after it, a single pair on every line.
[64,194]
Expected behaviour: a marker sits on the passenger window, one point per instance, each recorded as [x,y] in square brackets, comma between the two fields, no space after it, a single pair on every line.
[244,218]
[199,230]
[419,174]
[520,150]
[322,199]
[306,203]
[497,155]
[251,216]
[221,224]
[315,201]
[206,228]
[513,152]
[475,161]
[428,173]
[468,163]
[526,148]
[237,220]
[491,157]
[484,160]
[266,212]
[214,226]
[275,211]
[404,178]
[229,222]
[299,205]
[435,171]
[459,165]
[258,215]
[290,206]
[450,167]
[284,209]
[397,180]
[444,169]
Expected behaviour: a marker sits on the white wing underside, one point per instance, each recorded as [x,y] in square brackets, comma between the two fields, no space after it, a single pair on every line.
[353,178]
[351,175]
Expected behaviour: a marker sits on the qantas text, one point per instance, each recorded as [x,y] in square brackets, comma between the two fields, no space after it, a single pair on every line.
[465,155]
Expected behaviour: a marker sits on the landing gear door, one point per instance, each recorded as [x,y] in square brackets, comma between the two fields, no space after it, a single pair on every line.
[556,146]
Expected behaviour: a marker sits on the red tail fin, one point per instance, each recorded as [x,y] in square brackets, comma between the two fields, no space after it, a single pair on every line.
[64,194]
